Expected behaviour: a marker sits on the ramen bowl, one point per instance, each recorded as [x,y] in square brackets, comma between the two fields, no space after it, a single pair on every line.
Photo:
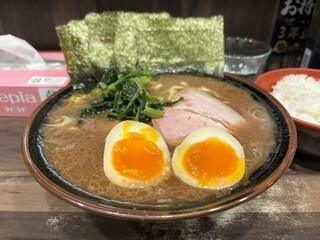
[308,133]
[276,163]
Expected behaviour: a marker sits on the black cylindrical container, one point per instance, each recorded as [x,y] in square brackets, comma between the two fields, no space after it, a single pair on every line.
[311,56]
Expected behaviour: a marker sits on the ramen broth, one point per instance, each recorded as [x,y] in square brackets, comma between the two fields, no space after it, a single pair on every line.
[74,147]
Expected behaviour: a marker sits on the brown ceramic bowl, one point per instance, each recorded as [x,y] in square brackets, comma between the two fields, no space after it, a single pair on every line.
[308,133]
[276,164]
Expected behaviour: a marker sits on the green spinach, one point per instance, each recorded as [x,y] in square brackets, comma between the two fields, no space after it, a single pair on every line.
[124,97]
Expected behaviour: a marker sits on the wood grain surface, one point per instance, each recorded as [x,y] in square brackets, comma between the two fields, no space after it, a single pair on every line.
[35,20]
[290,209]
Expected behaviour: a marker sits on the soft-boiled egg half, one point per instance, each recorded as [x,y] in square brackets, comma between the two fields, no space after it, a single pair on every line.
[209,158]
[136,155]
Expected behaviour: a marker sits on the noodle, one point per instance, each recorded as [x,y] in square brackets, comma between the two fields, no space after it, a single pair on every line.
[81,163]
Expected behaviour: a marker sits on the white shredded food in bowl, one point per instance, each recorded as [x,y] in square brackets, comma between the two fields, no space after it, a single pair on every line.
[300,95]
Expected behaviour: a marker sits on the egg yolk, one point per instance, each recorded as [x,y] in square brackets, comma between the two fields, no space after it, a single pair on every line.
[211,160]
[137,158]
[148,132]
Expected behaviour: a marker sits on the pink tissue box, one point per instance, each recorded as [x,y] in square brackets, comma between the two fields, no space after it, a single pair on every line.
[21,91]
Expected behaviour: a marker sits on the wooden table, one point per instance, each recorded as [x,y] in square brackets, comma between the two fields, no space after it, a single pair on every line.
[290,209]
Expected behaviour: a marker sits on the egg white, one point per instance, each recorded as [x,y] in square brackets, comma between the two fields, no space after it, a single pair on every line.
[117,134]
[200,135]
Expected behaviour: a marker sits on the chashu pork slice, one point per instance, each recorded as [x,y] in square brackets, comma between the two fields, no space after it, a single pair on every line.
[176,124]
[203,104]
[197,110]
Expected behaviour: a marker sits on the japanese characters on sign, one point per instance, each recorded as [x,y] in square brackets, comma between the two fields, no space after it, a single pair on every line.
[291,27]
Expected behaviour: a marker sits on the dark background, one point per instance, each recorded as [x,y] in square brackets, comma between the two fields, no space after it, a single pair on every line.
[35,20]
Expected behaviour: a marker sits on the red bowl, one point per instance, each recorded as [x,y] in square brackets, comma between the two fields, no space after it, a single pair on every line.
[308,133]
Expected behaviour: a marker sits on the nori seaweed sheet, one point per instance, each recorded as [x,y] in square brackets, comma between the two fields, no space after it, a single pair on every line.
[139,41]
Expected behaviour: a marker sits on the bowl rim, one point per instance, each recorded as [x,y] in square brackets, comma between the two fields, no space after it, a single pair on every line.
[281,72]
[156,215]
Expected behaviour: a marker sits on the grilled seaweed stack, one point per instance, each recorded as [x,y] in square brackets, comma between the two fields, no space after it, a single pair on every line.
[128,41]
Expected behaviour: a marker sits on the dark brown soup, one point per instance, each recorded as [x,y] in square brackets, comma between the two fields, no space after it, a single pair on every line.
[74,146]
